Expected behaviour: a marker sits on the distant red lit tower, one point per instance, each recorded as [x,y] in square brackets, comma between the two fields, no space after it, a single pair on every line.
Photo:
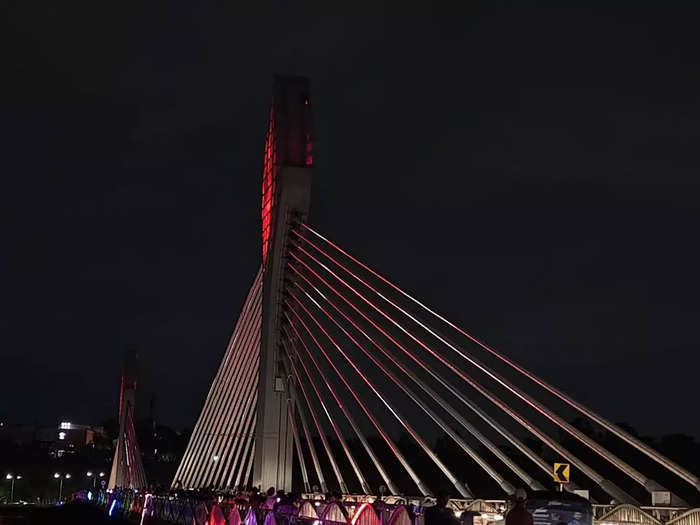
[127,466]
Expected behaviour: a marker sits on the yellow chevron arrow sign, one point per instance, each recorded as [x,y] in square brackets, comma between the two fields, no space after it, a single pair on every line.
[561,472]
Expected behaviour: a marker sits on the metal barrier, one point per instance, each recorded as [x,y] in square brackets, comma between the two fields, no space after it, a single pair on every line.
[143,508]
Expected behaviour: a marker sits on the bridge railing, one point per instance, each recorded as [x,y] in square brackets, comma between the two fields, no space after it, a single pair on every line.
[314,509]
[143,508]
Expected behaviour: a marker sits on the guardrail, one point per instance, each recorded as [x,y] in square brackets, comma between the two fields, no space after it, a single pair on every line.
[314,509]
[144,508]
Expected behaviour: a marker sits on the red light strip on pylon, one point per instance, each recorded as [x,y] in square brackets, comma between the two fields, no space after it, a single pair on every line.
[269,185]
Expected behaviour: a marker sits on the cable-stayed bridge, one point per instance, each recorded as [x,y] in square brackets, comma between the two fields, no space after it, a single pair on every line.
[333,368]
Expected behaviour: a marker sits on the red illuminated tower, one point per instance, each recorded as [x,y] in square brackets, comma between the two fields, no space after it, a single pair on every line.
[286,197]
[243,432]
[127,467]
[322,334]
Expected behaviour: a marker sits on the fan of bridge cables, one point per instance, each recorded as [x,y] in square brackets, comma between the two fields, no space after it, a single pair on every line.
[370,364]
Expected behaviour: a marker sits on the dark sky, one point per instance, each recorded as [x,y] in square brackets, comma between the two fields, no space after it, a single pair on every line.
[531,172]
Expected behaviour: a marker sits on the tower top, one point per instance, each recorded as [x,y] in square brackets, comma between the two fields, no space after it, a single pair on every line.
[130,368]
[289,142]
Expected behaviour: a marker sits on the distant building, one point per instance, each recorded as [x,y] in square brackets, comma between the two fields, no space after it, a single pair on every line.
[64,439]
[74,435]
[70,436]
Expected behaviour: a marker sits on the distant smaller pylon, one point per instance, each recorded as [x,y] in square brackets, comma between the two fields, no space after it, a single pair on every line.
[127,466]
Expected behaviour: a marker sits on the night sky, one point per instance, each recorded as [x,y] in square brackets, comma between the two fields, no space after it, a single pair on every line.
[533,173]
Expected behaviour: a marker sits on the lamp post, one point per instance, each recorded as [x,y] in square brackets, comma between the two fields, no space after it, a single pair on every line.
[91,474]
[60,478]
[12,479]
[94,478]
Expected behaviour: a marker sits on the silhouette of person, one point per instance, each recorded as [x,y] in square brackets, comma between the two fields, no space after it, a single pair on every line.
[439,514]
[519,515]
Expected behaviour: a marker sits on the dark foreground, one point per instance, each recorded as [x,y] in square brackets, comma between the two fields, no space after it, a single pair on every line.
[73,513]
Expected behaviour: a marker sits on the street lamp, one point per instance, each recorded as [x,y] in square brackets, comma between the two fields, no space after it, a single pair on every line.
[94,478]
[12,480]
[60,478]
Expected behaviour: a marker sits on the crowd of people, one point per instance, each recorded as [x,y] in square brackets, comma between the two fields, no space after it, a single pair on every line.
[244,495]
[440,514]
[288,502]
